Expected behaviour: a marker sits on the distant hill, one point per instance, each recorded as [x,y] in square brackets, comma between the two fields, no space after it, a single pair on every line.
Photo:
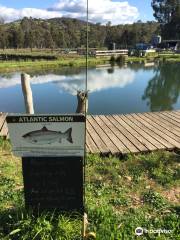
[71,33]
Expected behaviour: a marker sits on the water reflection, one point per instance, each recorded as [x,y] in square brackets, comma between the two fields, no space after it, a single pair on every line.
[113,89]
[163,89]
[99,79]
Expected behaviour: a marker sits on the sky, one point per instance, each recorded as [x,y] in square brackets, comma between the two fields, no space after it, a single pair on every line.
[103,11]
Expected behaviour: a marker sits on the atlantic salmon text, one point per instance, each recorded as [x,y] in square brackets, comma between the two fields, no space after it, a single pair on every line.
[26,119]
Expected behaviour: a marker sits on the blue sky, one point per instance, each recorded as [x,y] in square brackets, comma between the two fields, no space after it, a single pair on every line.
[145,9]
[11,9]
[27,3]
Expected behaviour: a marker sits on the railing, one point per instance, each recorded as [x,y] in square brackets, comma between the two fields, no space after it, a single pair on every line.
[111,52]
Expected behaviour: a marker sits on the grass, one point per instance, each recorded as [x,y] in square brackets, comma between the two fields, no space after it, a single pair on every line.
[169,57]
[121,195]
[41,65]
[69,61]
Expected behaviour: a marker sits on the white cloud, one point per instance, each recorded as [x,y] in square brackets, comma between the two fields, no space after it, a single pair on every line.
[99,11]
[11,14]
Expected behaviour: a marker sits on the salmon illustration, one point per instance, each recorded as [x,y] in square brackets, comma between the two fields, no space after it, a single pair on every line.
[46,136]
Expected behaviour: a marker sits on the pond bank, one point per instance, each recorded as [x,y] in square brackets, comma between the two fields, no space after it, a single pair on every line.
[11,66]
[160,57]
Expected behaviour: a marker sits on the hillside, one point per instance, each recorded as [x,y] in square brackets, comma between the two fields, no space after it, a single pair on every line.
[71,33]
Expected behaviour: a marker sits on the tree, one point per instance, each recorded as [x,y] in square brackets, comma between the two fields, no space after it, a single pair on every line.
[71,33]
[3,38]
[16,37]
[2,20]
[167,12]
[49,43]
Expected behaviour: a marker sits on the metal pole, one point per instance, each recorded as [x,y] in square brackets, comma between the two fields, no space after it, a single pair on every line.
[85,221]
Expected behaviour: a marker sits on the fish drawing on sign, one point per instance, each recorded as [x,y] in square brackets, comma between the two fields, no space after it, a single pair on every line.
[46,136]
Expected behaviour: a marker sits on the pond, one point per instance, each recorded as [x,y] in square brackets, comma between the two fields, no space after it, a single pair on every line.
[112,89]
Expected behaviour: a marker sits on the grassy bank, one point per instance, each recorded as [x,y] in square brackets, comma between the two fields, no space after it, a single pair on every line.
[121,194]
[11,66]
[161,57]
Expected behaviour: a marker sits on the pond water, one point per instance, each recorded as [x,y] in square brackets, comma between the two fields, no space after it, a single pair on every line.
[112,90]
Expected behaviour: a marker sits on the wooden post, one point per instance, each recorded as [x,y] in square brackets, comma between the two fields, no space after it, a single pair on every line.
[27,92]
[87,235]
[85,223]
[82,98]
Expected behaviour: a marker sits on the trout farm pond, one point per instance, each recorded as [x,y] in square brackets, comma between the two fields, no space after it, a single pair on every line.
[136,87]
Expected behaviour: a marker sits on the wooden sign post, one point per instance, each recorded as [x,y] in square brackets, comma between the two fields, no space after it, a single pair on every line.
[52,151]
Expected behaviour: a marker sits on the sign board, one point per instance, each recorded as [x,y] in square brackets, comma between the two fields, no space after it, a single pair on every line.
[53,183]
[47,135]
[52,151]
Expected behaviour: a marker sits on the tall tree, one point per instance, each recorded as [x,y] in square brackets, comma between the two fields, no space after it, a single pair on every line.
[167,12]
[3,38]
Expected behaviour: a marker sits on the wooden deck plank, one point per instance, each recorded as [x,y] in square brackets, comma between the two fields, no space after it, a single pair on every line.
[166,134]
[126,133]
[90,143]
[168,120]
[176,113]
[2,119]
[94,135]
[171,116]
[87,149]
[153,137]
[149,142]
[148,139]
[132,134]
[113,149]
[122,148]
[120,135]
[167,125]
[160,136]
[4,130]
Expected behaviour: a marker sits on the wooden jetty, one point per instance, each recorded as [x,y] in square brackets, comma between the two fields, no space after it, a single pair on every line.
[109,53]
[128,133]
[3,125]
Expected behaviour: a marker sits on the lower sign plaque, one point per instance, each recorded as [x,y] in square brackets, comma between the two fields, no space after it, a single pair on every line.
[53,183]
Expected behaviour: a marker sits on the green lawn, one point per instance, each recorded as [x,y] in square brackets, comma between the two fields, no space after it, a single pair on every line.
[162,57]
[9,66]
[121,195]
